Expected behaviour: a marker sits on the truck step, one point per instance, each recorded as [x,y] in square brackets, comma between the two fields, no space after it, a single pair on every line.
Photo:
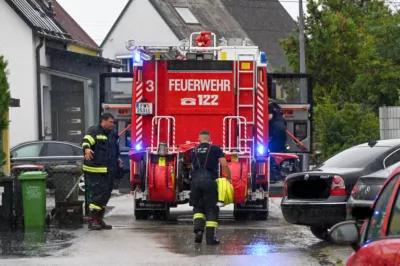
[246,89]
[245,71]
[246,105]
[246,123]
[245,139]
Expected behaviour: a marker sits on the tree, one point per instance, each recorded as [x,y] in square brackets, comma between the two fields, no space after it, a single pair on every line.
[4,103]
[341,128]
[351,51]
[353,55]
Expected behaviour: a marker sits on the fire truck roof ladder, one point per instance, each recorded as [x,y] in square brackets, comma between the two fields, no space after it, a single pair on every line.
[239,105]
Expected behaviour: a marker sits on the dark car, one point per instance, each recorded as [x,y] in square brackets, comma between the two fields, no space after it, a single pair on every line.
[366,190]
[318,198]
[48,153]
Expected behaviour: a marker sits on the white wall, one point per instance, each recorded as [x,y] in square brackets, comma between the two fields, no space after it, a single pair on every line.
[17,46]
[143,24]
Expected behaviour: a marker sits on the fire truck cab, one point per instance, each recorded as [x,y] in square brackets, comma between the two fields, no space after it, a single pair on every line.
[203,84]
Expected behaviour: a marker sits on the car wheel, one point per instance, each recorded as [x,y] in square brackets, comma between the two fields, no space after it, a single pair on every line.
[319,232]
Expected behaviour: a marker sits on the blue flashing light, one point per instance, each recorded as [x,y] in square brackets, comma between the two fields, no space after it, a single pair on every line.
[263,58]
[137,57]
[138,146]
[260,149]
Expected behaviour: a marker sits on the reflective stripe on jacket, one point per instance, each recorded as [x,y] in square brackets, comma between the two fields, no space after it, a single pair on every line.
[96,139]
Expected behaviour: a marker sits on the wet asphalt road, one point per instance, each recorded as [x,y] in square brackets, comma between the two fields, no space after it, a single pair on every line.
[271,242]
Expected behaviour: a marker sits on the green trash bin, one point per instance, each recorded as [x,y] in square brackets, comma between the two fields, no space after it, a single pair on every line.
[34,198]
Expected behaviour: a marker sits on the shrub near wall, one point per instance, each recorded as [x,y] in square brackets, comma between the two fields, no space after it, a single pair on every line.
[4,105]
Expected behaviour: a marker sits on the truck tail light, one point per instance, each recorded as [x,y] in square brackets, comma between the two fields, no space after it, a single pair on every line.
[338,188]
[354,190]
[285,187]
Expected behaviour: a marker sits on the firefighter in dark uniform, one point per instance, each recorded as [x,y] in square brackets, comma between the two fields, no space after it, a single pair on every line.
[277,128]
[96,147]
[204,195]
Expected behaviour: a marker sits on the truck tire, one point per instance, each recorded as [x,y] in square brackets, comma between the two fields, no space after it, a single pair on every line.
[253,176]
[319,232]
[180,176]
[263,216]
[162,215]
[141,215]
[142,175]
[240,216]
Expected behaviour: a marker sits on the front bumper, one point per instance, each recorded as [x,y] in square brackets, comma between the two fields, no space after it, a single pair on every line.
[312,213]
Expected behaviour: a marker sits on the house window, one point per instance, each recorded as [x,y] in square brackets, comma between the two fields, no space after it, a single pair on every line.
[187,15]
[127,62]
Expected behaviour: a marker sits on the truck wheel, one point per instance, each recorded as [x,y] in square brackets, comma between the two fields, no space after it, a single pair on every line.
[162,215]
[319,232]
[240,216]
[253,176]
[263,216]
[142,175]
[180,177]
[141,215]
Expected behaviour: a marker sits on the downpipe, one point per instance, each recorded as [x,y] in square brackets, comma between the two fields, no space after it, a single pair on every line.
[38,88]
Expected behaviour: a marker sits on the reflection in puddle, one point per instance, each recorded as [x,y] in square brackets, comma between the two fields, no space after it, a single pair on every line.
[38,242]
[254,242]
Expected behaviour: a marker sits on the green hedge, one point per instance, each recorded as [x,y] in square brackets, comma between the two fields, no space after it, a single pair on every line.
[4,104]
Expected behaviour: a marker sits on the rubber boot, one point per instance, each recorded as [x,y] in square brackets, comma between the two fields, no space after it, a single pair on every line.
[198,237]
[94,220]
[103,224]
[211,236]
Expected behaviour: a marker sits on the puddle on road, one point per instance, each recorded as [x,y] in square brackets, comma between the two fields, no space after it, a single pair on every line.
[251,242]
[20,243]
[254,242]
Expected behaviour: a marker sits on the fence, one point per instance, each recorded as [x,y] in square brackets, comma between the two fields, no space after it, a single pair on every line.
[65,187]
[389,122]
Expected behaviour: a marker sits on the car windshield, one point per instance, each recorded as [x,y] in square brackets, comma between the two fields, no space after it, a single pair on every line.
[355,157]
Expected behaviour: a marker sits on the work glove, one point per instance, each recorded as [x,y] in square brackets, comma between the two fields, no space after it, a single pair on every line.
[220,204]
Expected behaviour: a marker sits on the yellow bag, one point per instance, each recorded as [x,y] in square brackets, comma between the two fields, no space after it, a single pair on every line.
[225,191]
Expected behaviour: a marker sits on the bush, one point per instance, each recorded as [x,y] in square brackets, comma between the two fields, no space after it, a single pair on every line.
[4,104]
[340,128]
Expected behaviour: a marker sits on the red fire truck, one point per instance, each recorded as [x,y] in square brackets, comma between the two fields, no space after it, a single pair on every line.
[205,85]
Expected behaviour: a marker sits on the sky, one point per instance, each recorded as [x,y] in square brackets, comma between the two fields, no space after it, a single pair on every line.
[98,22]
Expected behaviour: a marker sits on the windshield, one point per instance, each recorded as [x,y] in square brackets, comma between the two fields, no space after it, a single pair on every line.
[355,157]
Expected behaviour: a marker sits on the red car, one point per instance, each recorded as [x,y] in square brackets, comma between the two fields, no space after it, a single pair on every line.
[378,241]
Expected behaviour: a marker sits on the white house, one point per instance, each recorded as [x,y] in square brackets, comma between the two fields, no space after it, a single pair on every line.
[158,22]
[54,71]
[22,47]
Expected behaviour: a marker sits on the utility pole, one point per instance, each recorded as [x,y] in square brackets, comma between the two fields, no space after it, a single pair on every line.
[303,82]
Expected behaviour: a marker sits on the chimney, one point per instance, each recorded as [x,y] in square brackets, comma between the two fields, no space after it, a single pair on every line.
[49,4]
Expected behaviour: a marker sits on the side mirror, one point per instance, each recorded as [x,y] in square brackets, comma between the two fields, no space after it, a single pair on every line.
[345,233]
